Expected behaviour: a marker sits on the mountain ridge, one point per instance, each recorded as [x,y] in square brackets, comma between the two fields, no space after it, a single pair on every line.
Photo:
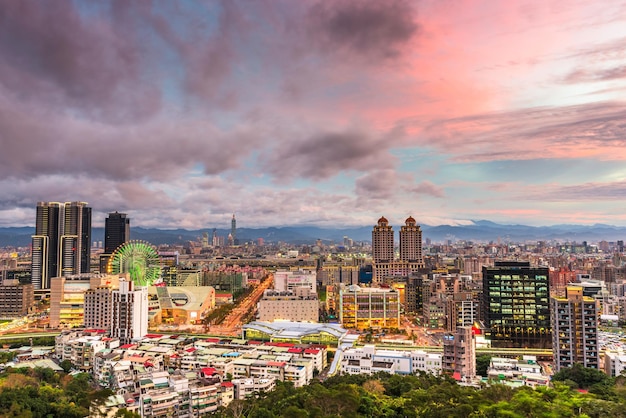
[478,231]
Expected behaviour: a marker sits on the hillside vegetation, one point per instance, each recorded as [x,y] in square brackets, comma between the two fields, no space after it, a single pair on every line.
[427,396]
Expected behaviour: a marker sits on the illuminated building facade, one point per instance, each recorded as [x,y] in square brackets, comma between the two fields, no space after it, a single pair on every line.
[516,303]
[366,307]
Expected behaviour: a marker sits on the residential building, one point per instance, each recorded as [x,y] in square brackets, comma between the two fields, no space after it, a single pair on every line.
[75,243]
[129,319]
[384,263]
[292,280]
[299,305]
[62,241]
[67,297]
[411,242]
[461,310]
[459,354]
[575,329]
[97,307]
[515,371]
[370,360]
[249,387]
[45,244]
[15,299]
[413,298]
[614,363]
[382,241]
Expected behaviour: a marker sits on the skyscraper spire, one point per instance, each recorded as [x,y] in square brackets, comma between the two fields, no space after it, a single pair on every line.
[233,229]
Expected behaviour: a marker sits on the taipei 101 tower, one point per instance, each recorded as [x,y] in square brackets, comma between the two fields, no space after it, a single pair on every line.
[233,230]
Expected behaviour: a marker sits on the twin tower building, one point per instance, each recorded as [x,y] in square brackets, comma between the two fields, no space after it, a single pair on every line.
[62,240]
[410,258]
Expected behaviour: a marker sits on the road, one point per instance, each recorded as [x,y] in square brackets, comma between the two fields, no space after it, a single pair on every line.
[232,323]
[423,336]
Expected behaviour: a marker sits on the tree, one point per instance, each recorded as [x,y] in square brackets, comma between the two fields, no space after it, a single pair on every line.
[239,408]
[66,365]
[482,364]
[125,413]
[374,387]
[584,377]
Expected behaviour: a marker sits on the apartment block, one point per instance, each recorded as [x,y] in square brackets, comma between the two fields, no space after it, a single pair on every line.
[575,329]
[292,280]
[369,360]
[15,299]
[459,354]
[67,297]
[299,305]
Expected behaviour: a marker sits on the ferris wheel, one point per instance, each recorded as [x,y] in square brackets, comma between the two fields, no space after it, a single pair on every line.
[139,259]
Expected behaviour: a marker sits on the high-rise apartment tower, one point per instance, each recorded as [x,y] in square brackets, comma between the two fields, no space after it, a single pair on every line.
[62,241]
[575,329]
[129,312]
[382,241]
[76,239]
[384,263]
[45,251]
[411,242]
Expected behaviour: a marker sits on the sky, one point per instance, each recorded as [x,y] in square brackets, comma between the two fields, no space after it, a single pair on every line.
[327,113]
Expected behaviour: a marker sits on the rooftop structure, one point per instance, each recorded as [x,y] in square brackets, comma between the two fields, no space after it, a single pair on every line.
[297,332]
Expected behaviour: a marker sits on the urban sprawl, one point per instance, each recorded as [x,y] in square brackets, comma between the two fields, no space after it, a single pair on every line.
[182,330]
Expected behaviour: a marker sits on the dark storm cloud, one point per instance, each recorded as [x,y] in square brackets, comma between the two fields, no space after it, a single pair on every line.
[36,142]
[324,155]
[51,54]
[210,55]
[368,29]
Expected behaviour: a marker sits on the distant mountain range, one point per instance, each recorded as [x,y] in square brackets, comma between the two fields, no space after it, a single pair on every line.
[479,231]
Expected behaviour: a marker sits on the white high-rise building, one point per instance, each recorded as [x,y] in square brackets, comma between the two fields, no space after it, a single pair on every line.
[129,309]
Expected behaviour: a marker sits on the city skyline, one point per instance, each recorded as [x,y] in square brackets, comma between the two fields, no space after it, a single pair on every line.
[318,113]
